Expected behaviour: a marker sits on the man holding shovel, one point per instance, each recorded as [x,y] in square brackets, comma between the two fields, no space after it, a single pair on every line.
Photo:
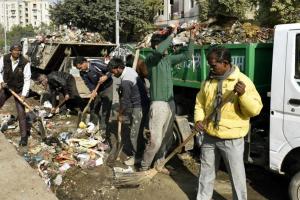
[15,74]
[134,103]
[92,72]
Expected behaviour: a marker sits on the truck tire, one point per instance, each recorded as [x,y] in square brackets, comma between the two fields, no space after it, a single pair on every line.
[294,187]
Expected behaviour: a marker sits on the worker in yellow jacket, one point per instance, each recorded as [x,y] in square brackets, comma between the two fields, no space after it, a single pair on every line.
[225,129]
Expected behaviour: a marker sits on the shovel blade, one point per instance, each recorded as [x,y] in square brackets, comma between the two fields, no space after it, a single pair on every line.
[79,119]
[42,128]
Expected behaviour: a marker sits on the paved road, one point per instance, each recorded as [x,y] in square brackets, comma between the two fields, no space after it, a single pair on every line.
[18,181]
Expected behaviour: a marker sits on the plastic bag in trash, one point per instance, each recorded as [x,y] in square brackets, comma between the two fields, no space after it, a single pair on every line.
[64,136]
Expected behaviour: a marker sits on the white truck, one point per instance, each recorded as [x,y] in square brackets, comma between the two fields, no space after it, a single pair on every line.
[274,139]
[284,135]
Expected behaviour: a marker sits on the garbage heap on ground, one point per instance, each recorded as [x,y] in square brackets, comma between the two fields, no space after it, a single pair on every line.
[74,147]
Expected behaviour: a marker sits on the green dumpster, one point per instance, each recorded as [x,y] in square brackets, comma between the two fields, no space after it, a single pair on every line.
[254,59]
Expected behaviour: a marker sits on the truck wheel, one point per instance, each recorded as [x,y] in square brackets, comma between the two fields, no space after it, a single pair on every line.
[294,187]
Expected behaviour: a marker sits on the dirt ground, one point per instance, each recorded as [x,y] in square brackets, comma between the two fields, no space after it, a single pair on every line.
[97,182]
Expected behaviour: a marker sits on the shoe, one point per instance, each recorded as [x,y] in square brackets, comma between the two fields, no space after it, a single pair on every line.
[23,142]
[142,169]
[132,161]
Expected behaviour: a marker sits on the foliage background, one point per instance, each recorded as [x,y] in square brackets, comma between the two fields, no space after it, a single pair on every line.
[136,16]
[266,12]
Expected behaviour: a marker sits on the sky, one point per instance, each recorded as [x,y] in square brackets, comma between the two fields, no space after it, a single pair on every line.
[53,1]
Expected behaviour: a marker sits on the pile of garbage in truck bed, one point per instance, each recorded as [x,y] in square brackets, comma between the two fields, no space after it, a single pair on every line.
[237,33]
[76,35]
[209,34]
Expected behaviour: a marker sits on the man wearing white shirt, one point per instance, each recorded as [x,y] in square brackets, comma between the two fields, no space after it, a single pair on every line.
[15,74]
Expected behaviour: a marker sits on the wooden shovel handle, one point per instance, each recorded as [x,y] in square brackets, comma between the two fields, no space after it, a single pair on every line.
[44,131]
[20,99]
[91,99]
[61,104]
[136,58]
[119,131]
[194,132]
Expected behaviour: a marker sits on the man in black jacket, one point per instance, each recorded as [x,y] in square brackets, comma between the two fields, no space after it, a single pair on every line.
[92,72]
[61,82]
[15,74]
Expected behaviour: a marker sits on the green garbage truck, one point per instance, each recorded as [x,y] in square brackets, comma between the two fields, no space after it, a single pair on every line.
[274,139]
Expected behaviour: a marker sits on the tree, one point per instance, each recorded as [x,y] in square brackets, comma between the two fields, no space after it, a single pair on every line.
[152,7]
[228,8]
[271,12]
[99,16]
[15,35]
[45,29]
[18,32]
[2,42]
[267,12]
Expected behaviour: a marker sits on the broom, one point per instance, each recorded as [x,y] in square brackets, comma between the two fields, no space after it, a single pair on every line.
[137,178]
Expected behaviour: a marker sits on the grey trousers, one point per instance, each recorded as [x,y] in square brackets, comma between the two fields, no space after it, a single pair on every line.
[232,152]
[136,127]
[160,117]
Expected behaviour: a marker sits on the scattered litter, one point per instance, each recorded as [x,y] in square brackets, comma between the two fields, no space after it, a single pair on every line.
[58,180]
[42,169]
[62,148]
[7,122]
[90,127]
[88,143]
[11,127]
[99,161]
[122,170]
[103,146]
[64,136]
[64,167]
[36,149]
[47,104]
[82,125]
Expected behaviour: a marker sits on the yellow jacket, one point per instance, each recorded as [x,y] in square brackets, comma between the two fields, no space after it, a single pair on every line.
[235,115]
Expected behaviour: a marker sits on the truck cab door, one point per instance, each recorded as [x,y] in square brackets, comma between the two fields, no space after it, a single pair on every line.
[291,115]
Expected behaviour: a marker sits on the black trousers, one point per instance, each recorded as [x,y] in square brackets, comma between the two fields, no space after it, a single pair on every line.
[102,101]
[4,95]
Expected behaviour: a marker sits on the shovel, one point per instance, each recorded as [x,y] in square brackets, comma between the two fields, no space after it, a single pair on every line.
[57,107]
[81,115]
[137,178]
[42,128]
[136,58]
[119,142]
[117,147]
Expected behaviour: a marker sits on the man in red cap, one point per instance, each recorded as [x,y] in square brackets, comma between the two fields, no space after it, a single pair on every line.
[15,74]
